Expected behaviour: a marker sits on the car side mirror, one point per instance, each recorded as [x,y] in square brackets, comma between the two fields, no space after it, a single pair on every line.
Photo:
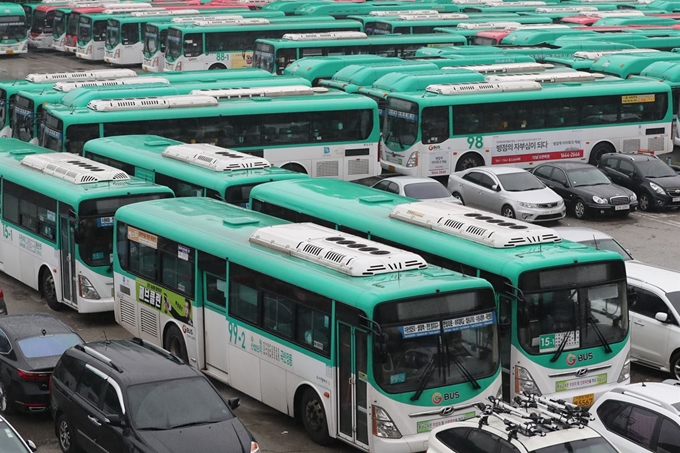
[31,445]
[114,420]
[496,188]
[661,316]
[233,403]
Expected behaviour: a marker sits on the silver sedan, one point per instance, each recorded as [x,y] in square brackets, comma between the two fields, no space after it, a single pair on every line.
[510,191]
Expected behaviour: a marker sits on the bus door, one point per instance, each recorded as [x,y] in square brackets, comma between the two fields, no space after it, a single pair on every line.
[353,416]
[67,252]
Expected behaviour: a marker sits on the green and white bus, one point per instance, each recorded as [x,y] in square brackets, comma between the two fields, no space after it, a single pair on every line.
[669,73]
[275,55]
[57,223]
[316,69]
[13,29]
[188,169]
[215,45]
[562,307]
[413,24]
[452,127]
[359,341]
[314,131]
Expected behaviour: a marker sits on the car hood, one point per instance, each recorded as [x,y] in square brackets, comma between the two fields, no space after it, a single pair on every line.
[229,436]
[671,182]
[603,190]
[544,195]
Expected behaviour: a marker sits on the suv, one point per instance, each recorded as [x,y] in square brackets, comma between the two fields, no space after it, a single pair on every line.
[656,184]
[655,316]
[639,418]
[132,396]
[538,425]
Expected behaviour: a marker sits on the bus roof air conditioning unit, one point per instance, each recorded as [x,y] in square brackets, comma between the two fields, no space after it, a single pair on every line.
[329,35]
[486,25]
[74,168]
[237,93]
[70,86]
[547,77]
[342,252]
[247,21]
[450,89]
[112,105]
[214,157]
[566,9]
[99,74]
[478,226]
[617,13]
[174,12]
[446,16]
[504,68]
[409,12]
[183,20]
[536,27]
[511,4]
[596,55]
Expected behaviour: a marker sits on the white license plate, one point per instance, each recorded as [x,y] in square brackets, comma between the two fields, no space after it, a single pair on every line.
[676,199]
[622,207]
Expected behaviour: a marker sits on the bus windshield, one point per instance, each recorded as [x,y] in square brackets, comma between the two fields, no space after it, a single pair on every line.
[39,21]
[174,49]
[151,40]
[22,118]
[50,133]
[263,57]
[438,341]
[12,28]
[85,30]
[95,229]
[73,21]
[553,318]
[59,26]
[401,123]
[113,33]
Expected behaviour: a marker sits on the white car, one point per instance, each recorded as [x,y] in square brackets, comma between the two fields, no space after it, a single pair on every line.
[550,427]
[594,238]
[640,418]
[510,191]
[11,441]
[420,188]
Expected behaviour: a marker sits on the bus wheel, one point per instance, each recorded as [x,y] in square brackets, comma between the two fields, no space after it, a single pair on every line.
[468,161]
[174,342]
[314,418]
[217,66]
[297,168]
[598,151]
[49,290]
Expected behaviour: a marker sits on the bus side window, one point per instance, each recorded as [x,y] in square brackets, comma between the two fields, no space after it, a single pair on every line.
[243,294]
[435,122]
[193,45]
[278,314]
[313,328]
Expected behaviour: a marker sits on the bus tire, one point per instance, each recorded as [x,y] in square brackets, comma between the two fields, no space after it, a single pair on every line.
[314,417]
[49,289]
[469,160]
[458,196]
[297,168]
[173,341]
[217,66]
[507,211]
[598,151]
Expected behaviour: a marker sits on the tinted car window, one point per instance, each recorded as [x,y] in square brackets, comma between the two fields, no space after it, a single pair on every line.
[648,304]
[473,176]
[5,347]
[626,168]
[655,169]
[481,442]
[592,445]
[543,171]
[560,176]
[47,345]
[669,437]
[423,191]
[91,386]
[486,181]
[453,438]
[635,424]
[518,182]
[111,403]
[68,371]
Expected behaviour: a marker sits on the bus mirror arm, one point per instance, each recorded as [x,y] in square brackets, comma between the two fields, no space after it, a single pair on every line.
[519,295]
[372,326]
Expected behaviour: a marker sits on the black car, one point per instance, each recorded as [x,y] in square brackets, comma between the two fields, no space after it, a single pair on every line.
[30,346]
[656,184]
[129,395]
[585,189]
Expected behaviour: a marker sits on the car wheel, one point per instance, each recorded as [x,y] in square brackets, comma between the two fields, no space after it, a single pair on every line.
[675,366]
[314,418]
[49,290]
[174,342]
[644,201]
[469,160]
[458,196]
[598,151]
[6,407]
[65,435]
[507,211]
[580,209]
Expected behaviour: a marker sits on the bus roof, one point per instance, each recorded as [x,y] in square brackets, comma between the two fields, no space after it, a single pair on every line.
[663,70]
[289,41]
[535,37]
[355,76]
[367,210]
[224,230]
[283,25]
[645,20]
[316,68]
[405,82]
[626,65]
[26,163]
[11,9]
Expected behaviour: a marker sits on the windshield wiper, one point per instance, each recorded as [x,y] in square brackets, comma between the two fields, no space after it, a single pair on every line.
[598,332]
[424,379]
[203,422]
[560,349]
[464,371]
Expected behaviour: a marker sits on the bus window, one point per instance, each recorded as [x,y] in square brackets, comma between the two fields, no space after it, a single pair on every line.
[435,124]
[129,34]
[193,45]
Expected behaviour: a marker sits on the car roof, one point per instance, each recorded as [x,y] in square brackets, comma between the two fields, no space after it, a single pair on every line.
[580,234]
[666,279]
[409,179]
[499,169]
[32,325]
[634,157]
[568,165]
[666,393]
[127,355]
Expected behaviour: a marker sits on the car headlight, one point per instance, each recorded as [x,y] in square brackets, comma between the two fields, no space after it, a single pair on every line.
[527,205]
[633,198]
[657,188]
[599,200]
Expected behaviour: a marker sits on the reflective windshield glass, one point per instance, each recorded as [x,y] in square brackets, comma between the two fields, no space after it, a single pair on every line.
[154,406]
[174,44]
[587,177]
[655,169]
[47,345]
[151,40]
[401,124]
[520,182]
[73,21]
[38,23]
[51,133]
[59,26]
[4,107]
[85,30]
[22,119]
[592,445]
[674,298]
[12,28]
[562,317]
[112,33]
[426,190]
[263,57]
[438,341]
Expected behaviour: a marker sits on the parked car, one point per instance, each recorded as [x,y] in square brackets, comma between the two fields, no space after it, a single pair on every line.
[11,441]
[594,238]
[129,395]
[586,190]
[655,317]
[30,346]
[502,428]
[420,188]
[656,184]
[640,418]
[510,191]
[3,306]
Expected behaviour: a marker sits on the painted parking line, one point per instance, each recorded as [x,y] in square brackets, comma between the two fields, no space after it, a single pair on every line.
[666,219]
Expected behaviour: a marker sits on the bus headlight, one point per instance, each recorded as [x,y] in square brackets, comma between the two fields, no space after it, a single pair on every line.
[86,289]
[524,382]
[625,370]
[116,54]
[383,426]
[412,160]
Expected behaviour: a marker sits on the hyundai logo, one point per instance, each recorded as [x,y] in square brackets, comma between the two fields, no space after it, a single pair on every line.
[447,411]
[582,372]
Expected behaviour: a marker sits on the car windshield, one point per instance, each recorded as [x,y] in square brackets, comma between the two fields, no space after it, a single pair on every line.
[592,445]
[174,403]
[674,298]
[47,345]
[426,190]
[9,440]
[655,169]
[520,182]
[587,177]
[608,244]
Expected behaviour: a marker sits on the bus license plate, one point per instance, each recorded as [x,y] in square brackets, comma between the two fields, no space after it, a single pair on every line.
[391,169]
[585,400]
[623,207]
